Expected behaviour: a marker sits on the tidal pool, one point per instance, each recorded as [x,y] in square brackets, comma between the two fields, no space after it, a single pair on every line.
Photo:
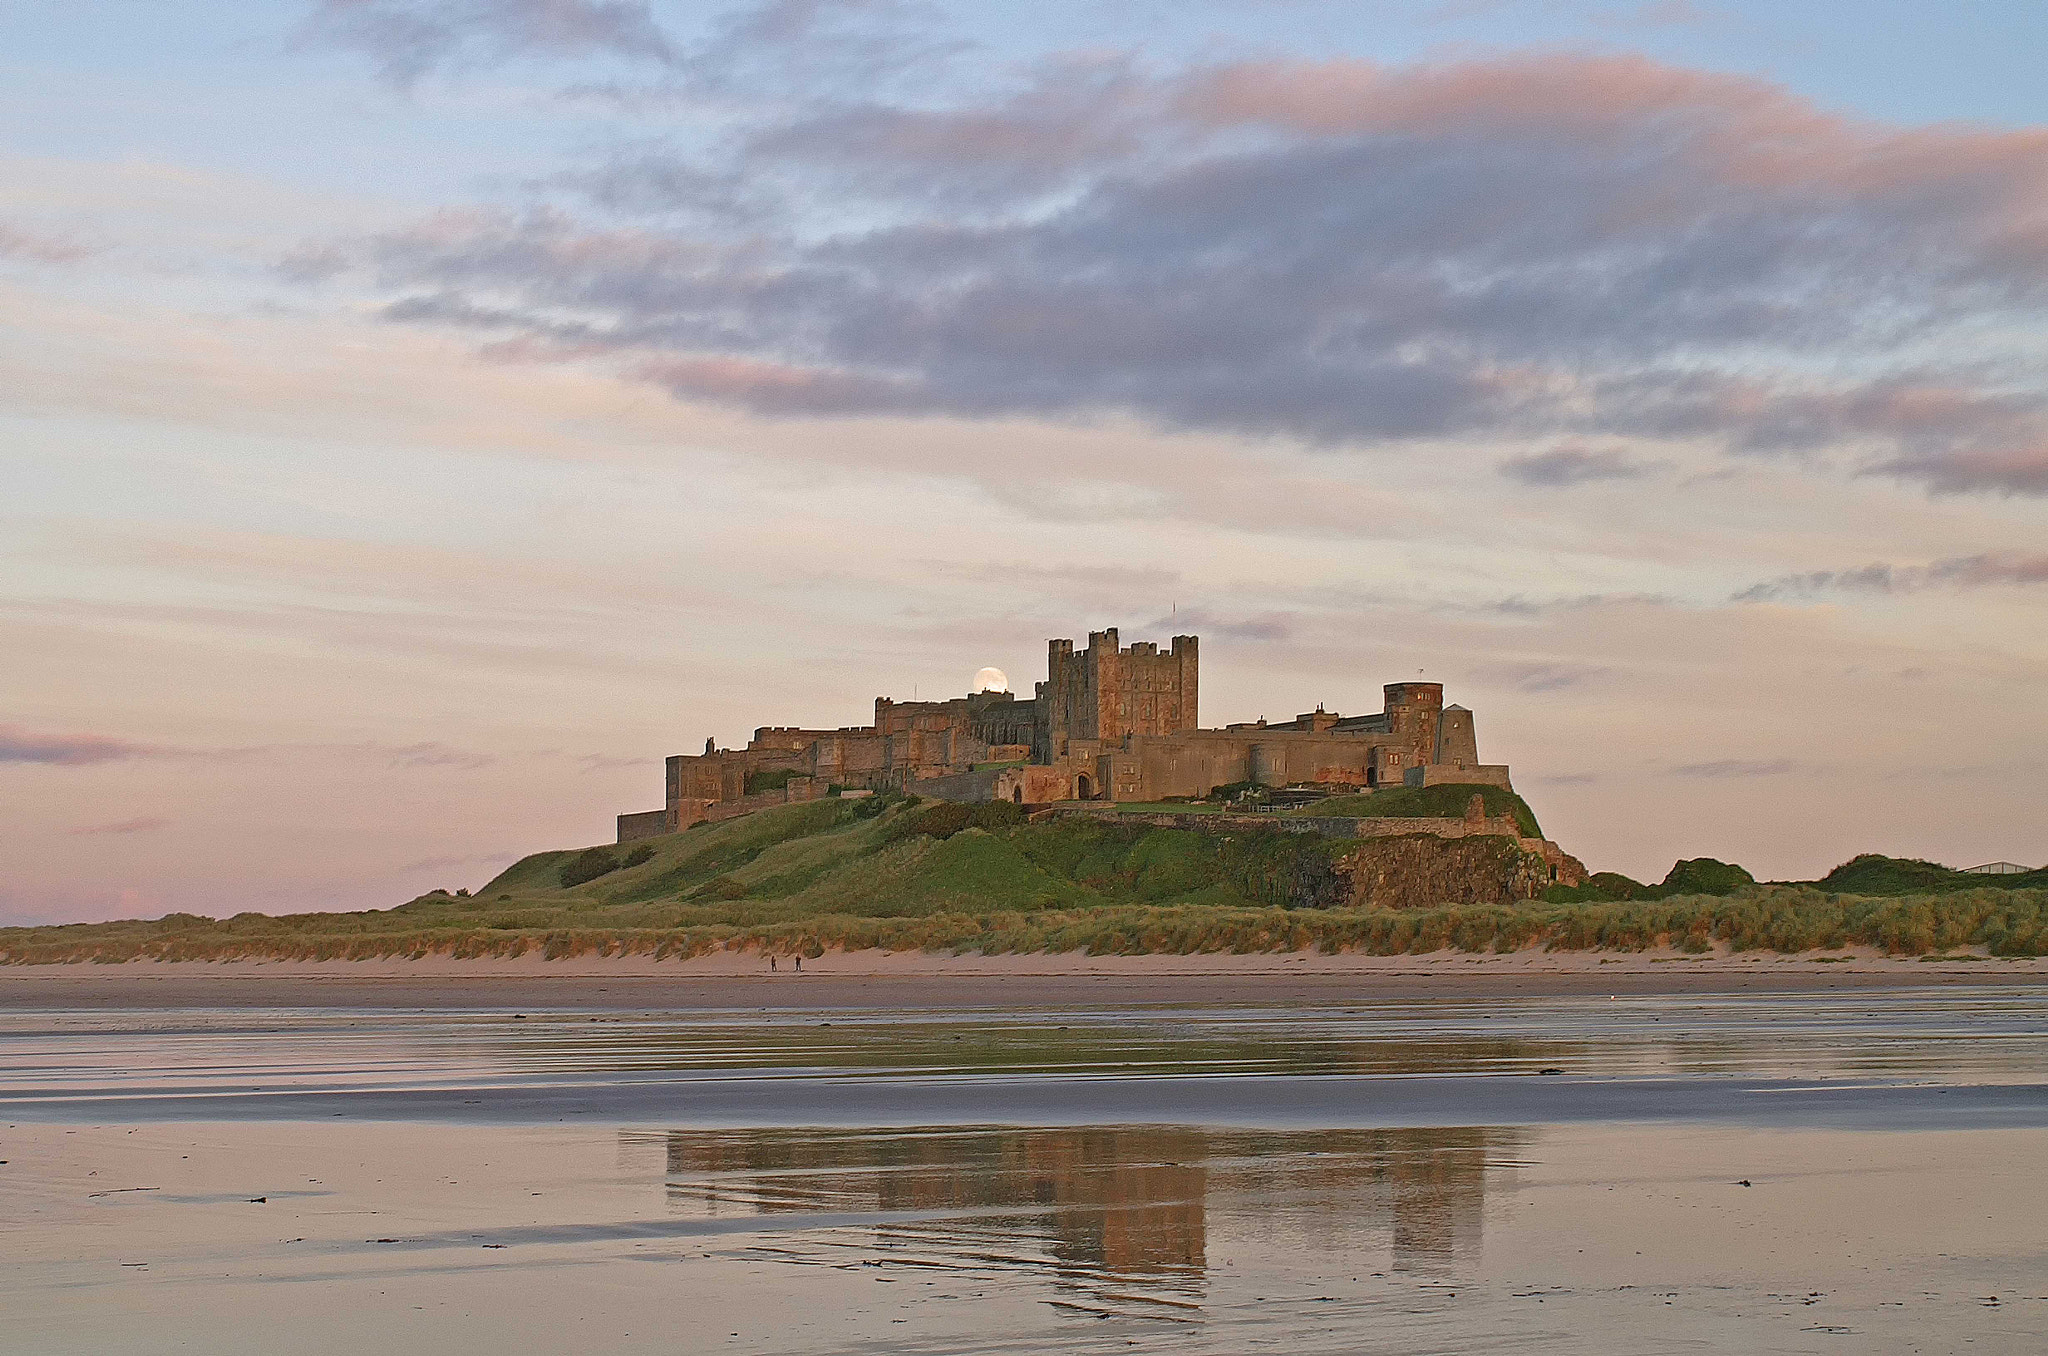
[1838,1172]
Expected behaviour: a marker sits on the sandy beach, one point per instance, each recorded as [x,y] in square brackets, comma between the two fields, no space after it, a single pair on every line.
[1030,1154]
[922,980]
[1529,1154]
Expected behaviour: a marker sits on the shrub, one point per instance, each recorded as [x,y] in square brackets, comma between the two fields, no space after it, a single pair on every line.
[587,866]
[1702,876]
[1602,887]
[757,782]
[868,807]
[1875,874]
[637,857]
[942,819]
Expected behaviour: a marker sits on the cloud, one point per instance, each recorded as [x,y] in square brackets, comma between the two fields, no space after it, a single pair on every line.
[1572,466]
[2015,466]
[1654,14]
[600,762]
[1517,605]
[409,38]
[41,249]
[450,863]
[1106,579]
[18,745]
[1736,767]
[429,754]
[144,824]
[797,49]
[1988,570]
[1537,677]
[1264,626]
[1335,252]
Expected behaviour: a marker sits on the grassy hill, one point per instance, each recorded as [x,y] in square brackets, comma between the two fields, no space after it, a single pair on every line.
[1872,874]
[883,872]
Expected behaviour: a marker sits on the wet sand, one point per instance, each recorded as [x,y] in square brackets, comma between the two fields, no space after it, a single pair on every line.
[1595,1239]
[1798,1171]
[923,981]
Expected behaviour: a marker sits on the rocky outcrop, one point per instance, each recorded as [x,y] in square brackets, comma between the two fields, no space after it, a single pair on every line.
[1418,870]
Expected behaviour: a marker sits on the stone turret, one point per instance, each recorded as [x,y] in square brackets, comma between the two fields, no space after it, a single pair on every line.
[1415,712]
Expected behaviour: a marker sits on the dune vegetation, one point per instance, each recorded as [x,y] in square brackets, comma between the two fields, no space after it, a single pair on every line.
[901,875]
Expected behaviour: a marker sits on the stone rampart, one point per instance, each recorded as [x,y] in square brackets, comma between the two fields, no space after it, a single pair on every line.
[1452,774]
[971,787]
[1330,826]
[643,824]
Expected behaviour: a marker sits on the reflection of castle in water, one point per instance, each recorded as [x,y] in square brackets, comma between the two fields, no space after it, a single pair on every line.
[1118,1201]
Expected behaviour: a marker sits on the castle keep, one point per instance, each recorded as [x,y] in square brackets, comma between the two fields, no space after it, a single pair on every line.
[1109,723]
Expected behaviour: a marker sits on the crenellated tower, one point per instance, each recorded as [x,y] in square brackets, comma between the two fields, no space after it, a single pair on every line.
[1099,695]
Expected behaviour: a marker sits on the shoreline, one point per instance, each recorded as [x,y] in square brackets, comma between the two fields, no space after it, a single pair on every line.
[924,981]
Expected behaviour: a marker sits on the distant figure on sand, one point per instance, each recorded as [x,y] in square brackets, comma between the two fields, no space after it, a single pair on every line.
[771,964]
[799,964]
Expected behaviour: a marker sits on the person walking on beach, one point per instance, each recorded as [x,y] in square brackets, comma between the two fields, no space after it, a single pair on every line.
[799,964]
[771,964]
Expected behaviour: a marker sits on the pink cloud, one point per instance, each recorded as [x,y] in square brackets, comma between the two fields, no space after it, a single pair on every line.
[1338,252]
[73,750]
[142,824]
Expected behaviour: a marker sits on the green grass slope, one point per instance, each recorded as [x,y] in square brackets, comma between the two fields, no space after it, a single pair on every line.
[891,873]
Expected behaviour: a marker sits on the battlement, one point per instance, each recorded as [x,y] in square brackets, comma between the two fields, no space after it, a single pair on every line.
[1106,693]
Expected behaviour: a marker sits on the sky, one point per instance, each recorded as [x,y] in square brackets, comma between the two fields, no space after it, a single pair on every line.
[418,417]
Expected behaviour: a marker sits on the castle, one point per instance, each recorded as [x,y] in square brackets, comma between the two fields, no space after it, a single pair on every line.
[1109,723]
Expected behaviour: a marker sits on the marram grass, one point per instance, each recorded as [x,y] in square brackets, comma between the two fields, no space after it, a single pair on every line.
[1787,920]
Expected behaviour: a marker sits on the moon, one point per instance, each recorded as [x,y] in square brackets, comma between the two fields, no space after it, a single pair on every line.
[991,680]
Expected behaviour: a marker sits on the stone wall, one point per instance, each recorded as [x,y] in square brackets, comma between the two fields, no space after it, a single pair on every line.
[1443,774]
[1331,826]
[1194,763]
[1033,784]
[682,811]
[970,787]
[644,824]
